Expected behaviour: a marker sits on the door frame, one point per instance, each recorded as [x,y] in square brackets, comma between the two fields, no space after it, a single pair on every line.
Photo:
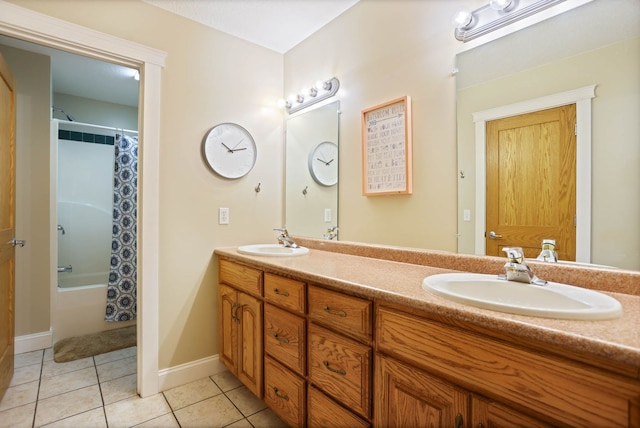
[25,24]
[581,97]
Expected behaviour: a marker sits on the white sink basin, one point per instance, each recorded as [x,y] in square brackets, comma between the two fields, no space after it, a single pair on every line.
[273,250]
[553,300]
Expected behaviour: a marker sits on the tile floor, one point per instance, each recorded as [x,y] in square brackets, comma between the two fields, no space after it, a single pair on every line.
[100,391]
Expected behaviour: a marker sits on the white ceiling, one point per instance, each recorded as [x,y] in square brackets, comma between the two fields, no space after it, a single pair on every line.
[275,24]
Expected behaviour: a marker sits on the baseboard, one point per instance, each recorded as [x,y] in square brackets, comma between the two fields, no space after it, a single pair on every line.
[33,342]
[189,372]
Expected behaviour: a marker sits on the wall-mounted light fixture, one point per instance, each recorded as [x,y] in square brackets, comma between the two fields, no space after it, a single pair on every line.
[495,15]
[307,97]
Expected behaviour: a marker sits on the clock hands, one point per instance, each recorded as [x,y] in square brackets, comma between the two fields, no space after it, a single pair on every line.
[230,150]
[325,162]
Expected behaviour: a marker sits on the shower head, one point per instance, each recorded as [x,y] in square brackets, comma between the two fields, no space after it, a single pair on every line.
[69,117]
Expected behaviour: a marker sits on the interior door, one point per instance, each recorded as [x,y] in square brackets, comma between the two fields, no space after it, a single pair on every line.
[7,222]
[531,182]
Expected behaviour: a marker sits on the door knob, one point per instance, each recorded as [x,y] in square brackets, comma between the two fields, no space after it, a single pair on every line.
[494,235]
[18,242]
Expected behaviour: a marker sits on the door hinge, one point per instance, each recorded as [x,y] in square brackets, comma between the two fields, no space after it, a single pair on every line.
[575,129]
[575,220]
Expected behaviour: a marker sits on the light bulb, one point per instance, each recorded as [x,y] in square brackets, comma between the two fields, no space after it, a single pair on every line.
[463,19]
[499,4]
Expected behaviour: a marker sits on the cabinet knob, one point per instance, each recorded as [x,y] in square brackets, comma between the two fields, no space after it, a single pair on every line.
[331,369]
[334,312]
[280,394]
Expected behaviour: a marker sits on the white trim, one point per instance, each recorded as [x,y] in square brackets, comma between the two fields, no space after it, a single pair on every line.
[582,98]
[38,28]
[33,342]
[189,372]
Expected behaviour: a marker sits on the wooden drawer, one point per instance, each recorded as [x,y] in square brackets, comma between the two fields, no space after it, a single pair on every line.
[241,277]
[285,292]
[341,367]
[284,393]
[285,338]
[324,412]
[350,315]
[564,390]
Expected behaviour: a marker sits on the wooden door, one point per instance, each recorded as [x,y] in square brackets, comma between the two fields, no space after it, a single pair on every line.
[7,223]
[531,182]
[250,345]
[407,397]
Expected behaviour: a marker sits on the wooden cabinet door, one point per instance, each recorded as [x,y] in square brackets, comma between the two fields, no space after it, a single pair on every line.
[250,344]
[228,338]
[407,397]
[489,414]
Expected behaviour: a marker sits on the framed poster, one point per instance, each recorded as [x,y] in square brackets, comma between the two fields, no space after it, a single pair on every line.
[386,148]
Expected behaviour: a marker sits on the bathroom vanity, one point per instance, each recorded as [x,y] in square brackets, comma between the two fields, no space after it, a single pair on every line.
[346,336]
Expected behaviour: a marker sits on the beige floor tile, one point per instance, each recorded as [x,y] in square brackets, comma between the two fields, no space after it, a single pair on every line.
[116,369]
[48,354]
[93,418]
[55,385]
[19,395]
[26,374]
[27,359]
[191,393]
[119,389]
[226,380]
[136,410]
[166,421]
[242,423]
[266,419]
[67,404]
[115,355]
[18,417]
[51,368]
[213,412]
[245,401]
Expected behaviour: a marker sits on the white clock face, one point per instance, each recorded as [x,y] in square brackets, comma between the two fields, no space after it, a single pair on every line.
[323,163]
[230,150]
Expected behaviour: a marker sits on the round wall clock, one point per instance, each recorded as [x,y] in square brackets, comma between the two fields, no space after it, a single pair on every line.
[323,163]
[229,150]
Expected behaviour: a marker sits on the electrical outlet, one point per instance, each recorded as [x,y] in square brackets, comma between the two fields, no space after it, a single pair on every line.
[327,215]
[223,215]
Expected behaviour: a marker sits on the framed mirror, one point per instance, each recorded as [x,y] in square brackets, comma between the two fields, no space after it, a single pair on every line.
[311,171]
[595,45]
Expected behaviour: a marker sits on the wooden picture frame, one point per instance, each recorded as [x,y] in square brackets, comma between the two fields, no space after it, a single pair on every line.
[387,149]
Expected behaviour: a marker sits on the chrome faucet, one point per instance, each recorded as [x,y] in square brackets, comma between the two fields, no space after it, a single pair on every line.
[285,239]
[548,253]
[517,270]
[332,232]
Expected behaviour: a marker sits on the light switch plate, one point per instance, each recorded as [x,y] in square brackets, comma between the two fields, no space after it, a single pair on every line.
[327,215]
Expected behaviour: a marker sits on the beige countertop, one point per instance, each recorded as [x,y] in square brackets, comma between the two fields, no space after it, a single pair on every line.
[617,340]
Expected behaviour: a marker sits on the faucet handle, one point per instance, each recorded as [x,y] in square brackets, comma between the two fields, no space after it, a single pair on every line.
[514,254]
[282,230]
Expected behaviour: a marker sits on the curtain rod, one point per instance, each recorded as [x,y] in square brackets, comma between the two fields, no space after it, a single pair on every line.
[110,128]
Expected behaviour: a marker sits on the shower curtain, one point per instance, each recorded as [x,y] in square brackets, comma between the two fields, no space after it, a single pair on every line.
[121,290]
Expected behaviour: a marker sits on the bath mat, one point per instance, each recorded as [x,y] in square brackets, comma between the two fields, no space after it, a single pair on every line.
[75,348]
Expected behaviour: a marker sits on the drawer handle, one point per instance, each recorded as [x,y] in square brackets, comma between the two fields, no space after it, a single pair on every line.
[280,394]
[281,293]
[334,312]
[331,369]
[280,339]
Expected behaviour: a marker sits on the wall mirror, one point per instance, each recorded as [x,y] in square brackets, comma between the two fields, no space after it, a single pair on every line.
[311,171]
[595,44]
